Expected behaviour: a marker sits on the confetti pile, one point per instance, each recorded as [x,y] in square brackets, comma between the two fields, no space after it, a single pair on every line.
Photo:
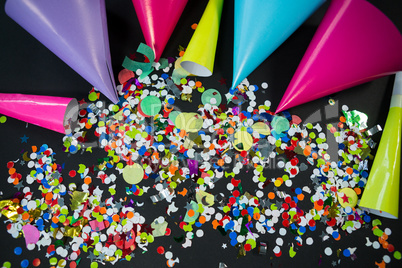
[167,155]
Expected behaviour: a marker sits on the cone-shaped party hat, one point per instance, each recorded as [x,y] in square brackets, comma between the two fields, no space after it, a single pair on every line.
[355,43]
[381,195]
[271,24]
[55,113]
[199,57]
[158,18]
[74,30]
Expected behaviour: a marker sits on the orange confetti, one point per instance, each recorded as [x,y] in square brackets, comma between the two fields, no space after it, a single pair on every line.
[25,216]
[87,180]
[183,193]
[130,214]
[202,219]
[317,207]
[49,196]
[198,84]
[190,213]
[172,169]
[16,181]
[34,149]
[55,219]
[271,195]
[215,224]
[182,133]
[116,218]
[102,210]
[11,171]
[307,150]
[194,26]
[342,119]
[381,264]
[358,191]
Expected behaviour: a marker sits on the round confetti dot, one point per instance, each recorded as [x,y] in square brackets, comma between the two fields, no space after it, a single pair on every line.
[160,250]
[199,233]
[264,85]
[282,231]
[309,241]
[6,264]
[17,251]
[247,247]
[346,252]
[36,262]
[133,174]
[168,255]
[397,255]
[94,264]
[53,261]
[386,258]
[3,119]
[92,96]
[328,251]
[376,245]
[387,231]
[24,263]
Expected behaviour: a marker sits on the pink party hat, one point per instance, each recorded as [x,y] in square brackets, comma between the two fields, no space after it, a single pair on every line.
[158,18]
[355,43]
[55,113]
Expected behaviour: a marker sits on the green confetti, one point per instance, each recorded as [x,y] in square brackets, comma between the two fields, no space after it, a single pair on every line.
[6,264]
[146,67]
[376,222]
[164,63]
[292,253]
[397,255]
[92,96]
[378,232]
[53,261]
[3,119]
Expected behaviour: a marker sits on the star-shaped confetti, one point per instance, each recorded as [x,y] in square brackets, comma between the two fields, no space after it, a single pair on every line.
[24,139]
[345,198]
[222,81]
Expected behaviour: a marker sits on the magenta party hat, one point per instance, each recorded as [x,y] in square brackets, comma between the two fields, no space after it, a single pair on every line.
[355,43]
[158,18]
[55,113]
[74,30]
[273,22]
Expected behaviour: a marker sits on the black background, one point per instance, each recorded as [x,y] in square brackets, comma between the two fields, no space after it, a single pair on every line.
[26,66]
